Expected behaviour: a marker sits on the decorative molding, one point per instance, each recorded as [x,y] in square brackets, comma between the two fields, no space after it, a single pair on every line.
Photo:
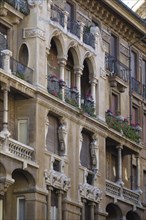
[4,184]
[90,192]
[33,32]
[34,3]
[57,180]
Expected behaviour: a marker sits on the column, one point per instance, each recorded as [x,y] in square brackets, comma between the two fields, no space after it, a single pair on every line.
[137,156]
[78,73]
[93,90]
[81,31]
[119,173]
[5,133]
[59,214]
[83,209]
[6,60]
[92,210]
[49,203]
[62,63]
[49,8]
[65,20]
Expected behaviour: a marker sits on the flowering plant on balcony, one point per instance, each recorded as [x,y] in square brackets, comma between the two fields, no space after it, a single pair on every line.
[122,126]
[89,98]
[54,78]
[62,83]
[109,112]
[136,127]
[74,89]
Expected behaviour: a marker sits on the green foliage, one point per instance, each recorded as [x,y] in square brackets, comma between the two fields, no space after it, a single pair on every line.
[122,127]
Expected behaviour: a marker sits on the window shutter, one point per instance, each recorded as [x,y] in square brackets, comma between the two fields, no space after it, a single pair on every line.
[85,151]
[52,135]
[144,128]
[1,115]
[114,104]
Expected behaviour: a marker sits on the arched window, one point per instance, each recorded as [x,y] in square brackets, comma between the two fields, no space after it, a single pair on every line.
[23,55]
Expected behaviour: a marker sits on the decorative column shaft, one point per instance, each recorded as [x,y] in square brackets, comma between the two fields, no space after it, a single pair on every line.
[78,73]
[81,31]
[6,60]
[59,215]
[65,19]
[49,203]
[62,63]
[83,209]
[49,8]
[119,147]
[92,210]
[5,133]
[93,90]
[138,173]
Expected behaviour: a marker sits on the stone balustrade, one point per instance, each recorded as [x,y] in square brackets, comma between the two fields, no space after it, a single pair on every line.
[112,188]
[115,190]
[20,150]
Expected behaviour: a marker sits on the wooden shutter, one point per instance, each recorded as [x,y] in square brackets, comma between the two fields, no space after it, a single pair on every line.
[113,47]
[134,115]
[144,187]
[85,151]
[133,64]
[52,135]
[1,115]
[134,177]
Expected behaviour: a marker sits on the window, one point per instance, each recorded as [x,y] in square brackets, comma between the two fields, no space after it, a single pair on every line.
[133,64]
[85,155]
[56,165]
[23,54]
[52,142]
[134,176]
[144,187]
[54,205]
[144,72]
[70,10]
[114,103]
[134,115]
[1,209]
[144,128]
[113,46]
[23,131]
[20,208]
[114,167]
[3,37]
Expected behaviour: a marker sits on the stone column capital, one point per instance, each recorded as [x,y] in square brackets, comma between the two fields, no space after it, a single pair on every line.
[62,61]
[119,147]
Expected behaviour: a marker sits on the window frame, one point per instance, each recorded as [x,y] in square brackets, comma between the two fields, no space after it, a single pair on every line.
[18,130]
[18,207]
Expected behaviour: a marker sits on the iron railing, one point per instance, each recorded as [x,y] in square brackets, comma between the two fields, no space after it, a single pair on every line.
[74,28]
[87,105]
[144,91]
[72,96]
[135,85]
[20,5]
[88,38]
[116,68]
[57,15]
[21,71]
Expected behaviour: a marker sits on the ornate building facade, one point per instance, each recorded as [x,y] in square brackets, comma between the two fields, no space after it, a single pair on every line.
[72,111]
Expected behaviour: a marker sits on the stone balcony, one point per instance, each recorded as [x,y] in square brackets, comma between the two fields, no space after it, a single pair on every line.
[121,193]
[16,149]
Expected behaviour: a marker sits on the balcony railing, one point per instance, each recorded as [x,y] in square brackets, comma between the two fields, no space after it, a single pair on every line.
[122,126]
[53,86]
[72,96]
[57,15]
[116,68]
[88,38]
[136,86]
[87,105]
[20,5]
[121,192]
[74,28]
[19,149]
[21,71]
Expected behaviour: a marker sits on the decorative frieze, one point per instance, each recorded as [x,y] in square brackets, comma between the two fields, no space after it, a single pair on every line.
[90,192]
[57,180]
[33,32]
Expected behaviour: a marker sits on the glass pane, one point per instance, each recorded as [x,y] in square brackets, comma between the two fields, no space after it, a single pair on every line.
[21,209]
[22,131]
